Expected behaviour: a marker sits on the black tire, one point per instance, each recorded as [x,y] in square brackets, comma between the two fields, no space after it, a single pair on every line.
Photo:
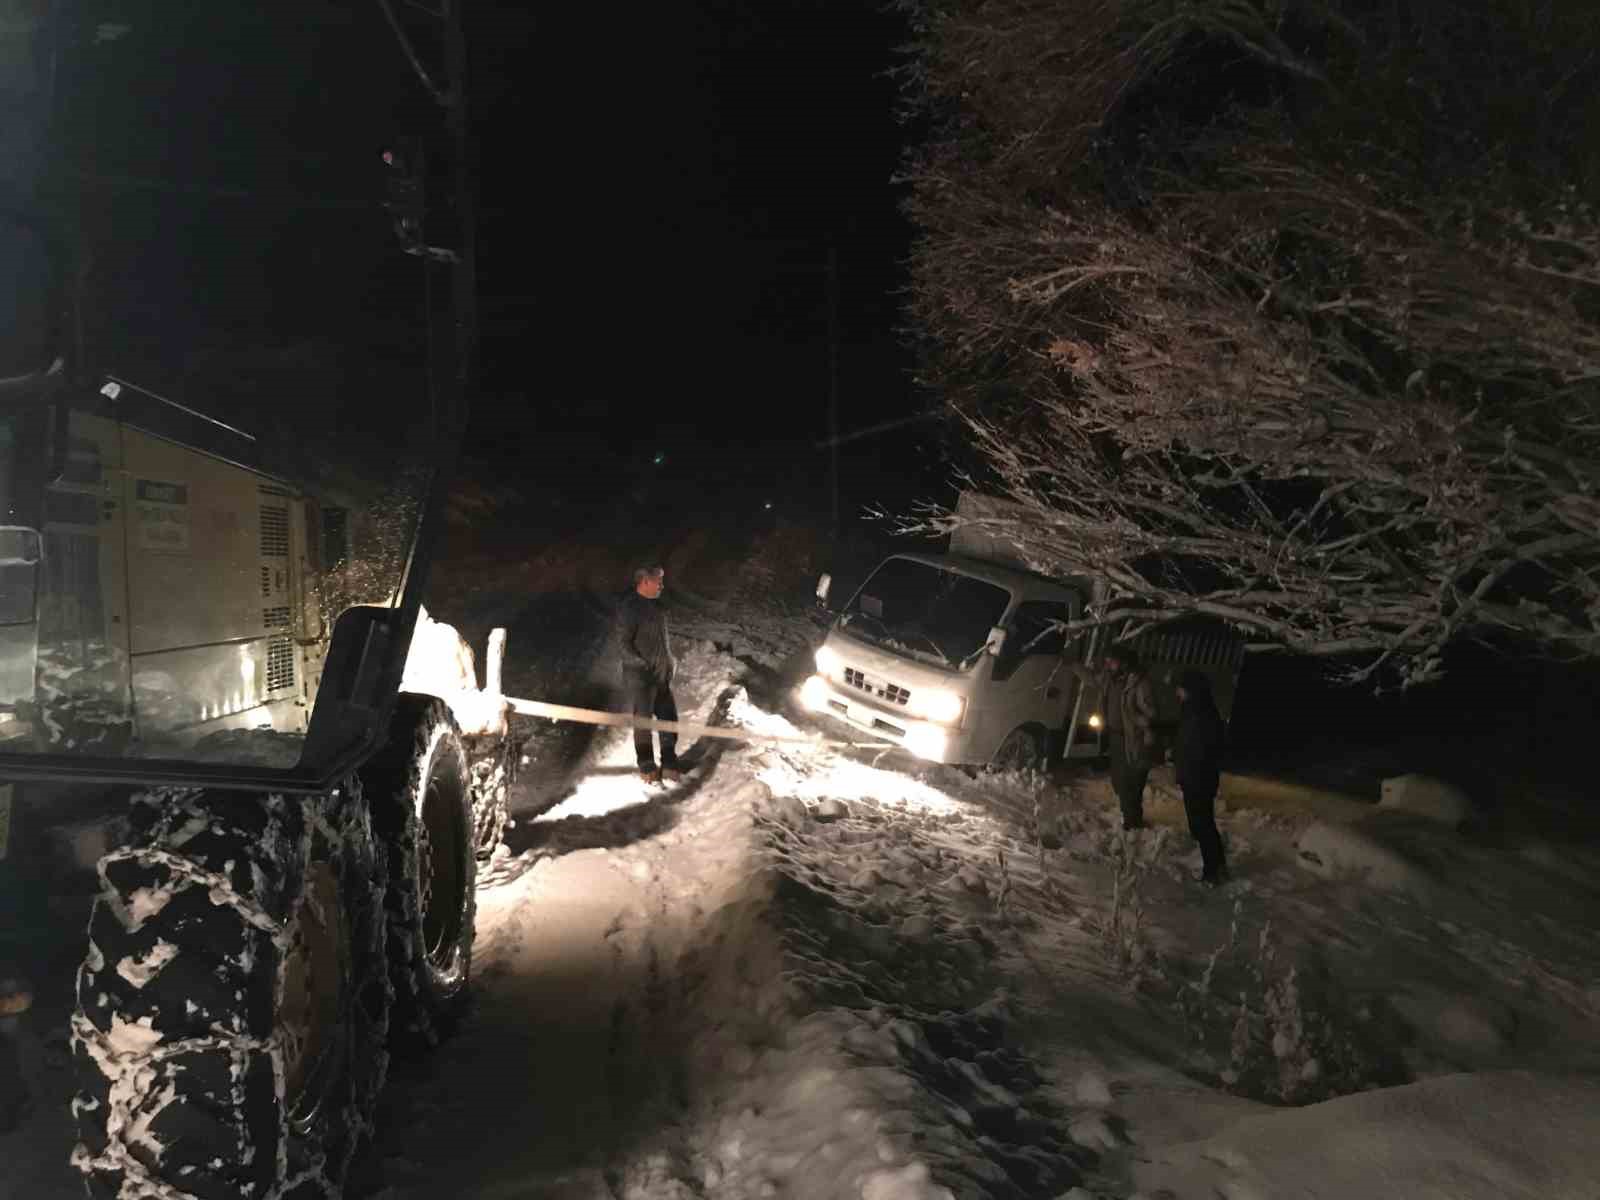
[421,795]
[233,1008]
[1022,750]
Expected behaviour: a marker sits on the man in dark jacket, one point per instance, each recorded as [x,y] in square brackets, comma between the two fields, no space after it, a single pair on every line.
[647,670]
[1128,700]
[1197,756]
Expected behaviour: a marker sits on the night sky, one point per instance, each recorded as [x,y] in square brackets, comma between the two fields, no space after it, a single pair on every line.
[659,191]
[659,196]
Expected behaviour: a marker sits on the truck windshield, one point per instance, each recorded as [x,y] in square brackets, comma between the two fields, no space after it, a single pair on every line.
[918,609]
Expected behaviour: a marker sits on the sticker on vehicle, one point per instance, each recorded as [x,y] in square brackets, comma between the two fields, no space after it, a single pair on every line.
[161,513]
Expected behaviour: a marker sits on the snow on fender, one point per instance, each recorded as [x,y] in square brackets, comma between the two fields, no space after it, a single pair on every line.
[440,663]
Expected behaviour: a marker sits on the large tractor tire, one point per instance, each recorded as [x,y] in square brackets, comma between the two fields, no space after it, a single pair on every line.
[233,1008]
[421,794]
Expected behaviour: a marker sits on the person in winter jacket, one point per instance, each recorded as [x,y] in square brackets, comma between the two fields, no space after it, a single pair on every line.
[1197,757]
[647,670]
[1129,702]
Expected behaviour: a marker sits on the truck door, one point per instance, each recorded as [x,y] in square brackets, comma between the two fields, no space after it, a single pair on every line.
[1028,684]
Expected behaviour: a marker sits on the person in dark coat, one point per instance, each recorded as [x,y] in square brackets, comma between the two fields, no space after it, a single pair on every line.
[647,670]
[1197,757]
[1128,698]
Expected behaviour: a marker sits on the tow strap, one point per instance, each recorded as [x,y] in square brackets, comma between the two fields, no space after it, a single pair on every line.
[594,716]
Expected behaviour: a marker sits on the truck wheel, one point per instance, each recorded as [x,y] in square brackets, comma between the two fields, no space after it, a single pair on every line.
[421,795]
[1023,750]
[233,1007]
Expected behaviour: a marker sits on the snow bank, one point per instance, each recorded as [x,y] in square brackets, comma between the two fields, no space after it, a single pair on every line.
[1464,1030]
[1343,851]
[1505,1135]
[1424,796]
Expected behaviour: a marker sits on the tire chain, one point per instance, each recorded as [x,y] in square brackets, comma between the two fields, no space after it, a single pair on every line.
[492,773]
[141,1066]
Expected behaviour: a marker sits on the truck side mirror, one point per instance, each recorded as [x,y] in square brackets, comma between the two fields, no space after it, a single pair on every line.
[824,586]
[996,641]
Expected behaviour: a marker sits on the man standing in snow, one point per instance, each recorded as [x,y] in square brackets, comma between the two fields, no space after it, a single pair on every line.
[647,670]
[1129,703]
[1197,757]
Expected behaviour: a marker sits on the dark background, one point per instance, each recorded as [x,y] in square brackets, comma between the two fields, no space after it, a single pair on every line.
[660,197]
[661,192]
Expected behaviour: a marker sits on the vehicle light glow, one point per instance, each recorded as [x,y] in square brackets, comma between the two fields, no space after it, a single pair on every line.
[925,741]
[814,694]
[828,661]
[939,705]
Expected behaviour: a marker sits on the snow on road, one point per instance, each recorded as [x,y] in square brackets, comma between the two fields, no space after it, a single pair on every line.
[807,974]
[816,974]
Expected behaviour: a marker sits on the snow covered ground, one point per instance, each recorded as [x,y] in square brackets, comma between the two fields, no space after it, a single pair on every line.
[807,973]
[815,974]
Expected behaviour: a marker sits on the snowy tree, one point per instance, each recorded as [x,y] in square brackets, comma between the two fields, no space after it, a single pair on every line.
[1286,311]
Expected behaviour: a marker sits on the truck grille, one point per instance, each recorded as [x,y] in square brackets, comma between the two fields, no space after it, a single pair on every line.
[876,687]
[280,663]
[274,531]
[274,618]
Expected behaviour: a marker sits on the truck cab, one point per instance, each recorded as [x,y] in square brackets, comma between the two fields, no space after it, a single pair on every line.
[966,657]
[947,655]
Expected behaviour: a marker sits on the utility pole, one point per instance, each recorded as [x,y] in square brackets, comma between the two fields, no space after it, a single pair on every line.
[833,377]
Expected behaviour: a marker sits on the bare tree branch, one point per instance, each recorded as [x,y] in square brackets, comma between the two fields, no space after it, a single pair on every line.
[1318,363]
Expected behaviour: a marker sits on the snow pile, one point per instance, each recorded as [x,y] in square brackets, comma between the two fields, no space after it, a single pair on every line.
[440,663]
[1423,796]
[1335,851]
[1495,1136]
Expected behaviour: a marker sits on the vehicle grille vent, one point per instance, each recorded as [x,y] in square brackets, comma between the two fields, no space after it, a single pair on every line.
[884,691]
[275,618]
[274,531]
[266,581]
[280,663]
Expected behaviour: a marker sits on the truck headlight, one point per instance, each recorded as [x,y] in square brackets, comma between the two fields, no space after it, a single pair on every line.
[1094,721]
[827,660]
[945,708]
[814,694]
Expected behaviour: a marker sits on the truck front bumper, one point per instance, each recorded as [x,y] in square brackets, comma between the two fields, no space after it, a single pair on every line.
[925,739]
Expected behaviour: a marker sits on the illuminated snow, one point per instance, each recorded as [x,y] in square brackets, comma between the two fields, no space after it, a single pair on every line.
[140,971]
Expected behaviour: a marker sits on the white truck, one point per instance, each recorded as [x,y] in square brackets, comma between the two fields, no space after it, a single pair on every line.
[963,657]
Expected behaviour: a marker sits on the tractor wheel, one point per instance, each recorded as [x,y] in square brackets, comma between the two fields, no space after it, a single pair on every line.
[1023,750]
[421,795]
[233,1007]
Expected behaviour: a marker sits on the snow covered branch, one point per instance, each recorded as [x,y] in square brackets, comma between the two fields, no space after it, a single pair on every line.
[1274,338]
